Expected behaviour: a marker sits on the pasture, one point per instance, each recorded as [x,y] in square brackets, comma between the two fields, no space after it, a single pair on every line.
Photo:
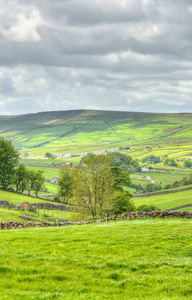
[140,259]
[166,201]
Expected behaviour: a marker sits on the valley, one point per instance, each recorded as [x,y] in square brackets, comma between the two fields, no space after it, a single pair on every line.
[120,259]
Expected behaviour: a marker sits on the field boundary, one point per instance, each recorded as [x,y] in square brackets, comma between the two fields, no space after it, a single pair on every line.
[163,192]
[178,207]
[126,216]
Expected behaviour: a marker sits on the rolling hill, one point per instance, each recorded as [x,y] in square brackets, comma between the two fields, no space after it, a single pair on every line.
[86,130]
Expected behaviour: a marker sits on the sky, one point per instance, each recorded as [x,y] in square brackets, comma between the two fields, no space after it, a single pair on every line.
[125,55]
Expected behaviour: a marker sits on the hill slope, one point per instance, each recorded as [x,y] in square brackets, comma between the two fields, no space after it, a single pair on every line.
[61,130]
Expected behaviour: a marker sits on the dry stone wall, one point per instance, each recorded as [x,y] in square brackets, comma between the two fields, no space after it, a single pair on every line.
[43,205]
[125,216]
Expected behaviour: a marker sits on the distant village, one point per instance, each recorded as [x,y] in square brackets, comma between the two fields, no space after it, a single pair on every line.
[69,155]
[55,179]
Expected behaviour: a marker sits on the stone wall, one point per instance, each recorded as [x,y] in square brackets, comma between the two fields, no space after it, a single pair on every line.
[43,205]
[126,216]
[162,192]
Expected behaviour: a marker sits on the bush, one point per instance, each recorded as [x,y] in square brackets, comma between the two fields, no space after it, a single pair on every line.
[170,162]
[122,203]
[187,164]
[147,208]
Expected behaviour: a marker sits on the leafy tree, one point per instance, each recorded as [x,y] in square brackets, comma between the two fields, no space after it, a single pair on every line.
[124,161]
[121,178]
[167,186]
[48,155]
[151,187]
[157,187]
[8,161]
[93,186]
[34,181]
[151,159]
[38,181]
[187,164]
[20,178]
[30,179]
[65,182]
[122,203]
[170,162]
[89,155]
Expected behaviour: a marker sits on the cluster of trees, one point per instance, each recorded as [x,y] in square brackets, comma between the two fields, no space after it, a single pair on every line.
[183,182]
[126,162]
[14,174]
[169,162]
[149,188]
[95,188]
[154,187]
[151,159]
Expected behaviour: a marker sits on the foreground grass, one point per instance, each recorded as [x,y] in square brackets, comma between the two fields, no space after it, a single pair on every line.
[141,259]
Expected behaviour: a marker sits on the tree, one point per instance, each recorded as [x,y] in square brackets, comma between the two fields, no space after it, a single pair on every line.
[121,178]
[170,162]
[8,161]
[89,155]
[187,164]
[20,178]
[34,180]
[38,181]
[48,155]
[93,185]
[151,159]
[124,161]
[122,203]
[65,182]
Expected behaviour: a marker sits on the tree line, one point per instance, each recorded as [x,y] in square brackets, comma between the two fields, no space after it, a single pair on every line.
[14,174]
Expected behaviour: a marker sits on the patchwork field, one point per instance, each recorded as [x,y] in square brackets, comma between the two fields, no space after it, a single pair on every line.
[141,259]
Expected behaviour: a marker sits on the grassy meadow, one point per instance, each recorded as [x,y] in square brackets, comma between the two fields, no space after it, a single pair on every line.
[166,201]
[140,259]
[18,198]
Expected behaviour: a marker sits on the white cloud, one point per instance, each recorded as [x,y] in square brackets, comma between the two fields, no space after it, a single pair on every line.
[20,23]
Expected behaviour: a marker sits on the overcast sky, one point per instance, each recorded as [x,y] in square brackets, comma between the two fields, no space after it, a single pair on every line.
[132,55]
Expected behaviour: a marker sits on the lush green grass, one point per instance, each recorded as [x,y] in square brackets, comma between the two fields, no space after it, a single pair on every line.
[17,198]
[141,259]
[166,201]
[48,172]
[7,214]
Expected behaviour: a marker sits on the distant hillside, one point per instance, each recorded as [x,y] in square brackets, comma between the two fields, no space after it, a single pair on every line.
[81,130]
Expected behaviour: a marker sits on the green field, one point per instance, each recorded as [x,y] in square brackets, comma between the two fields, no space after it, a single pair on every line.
[7,214]
[18,198]
[141,259]
[166,201]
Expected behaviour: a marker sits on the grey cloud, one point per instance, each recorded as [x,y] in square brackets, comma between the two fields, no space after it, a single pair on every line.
[68,54]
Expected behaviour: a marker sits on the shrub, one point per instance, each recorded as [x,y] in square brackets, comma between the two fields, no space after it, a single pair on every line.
[147,208]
